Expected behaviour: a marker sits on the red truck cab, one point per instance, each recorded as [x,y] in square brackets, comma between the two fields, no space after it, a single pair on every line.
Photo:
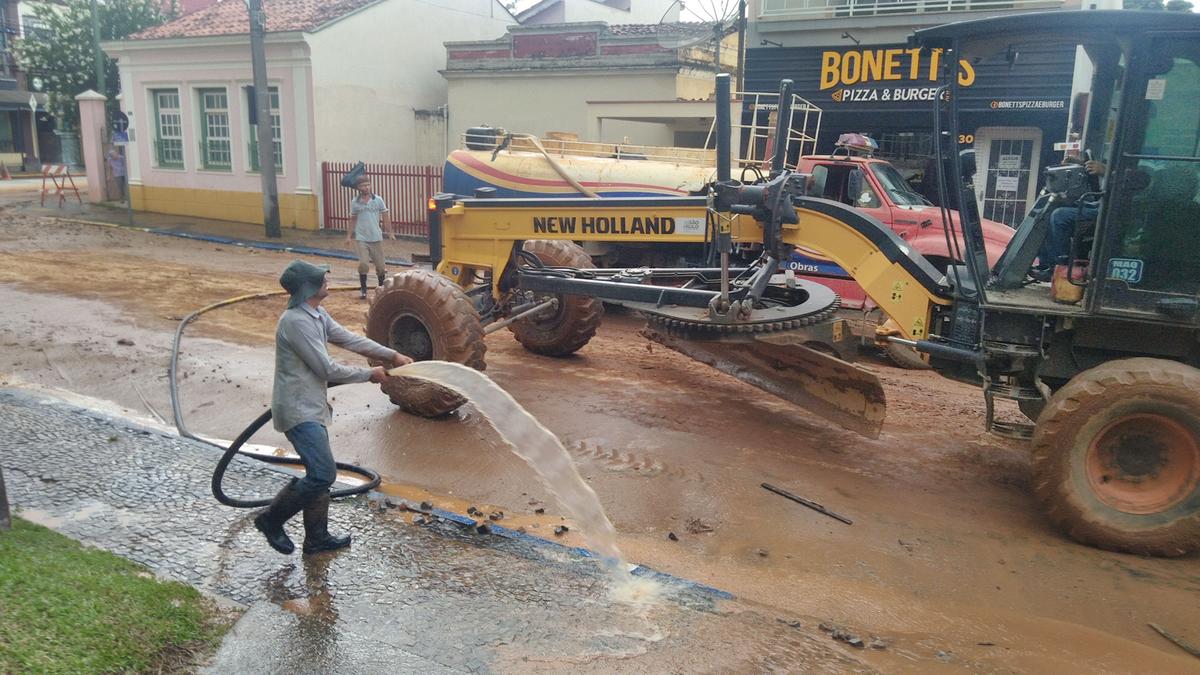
[875,187]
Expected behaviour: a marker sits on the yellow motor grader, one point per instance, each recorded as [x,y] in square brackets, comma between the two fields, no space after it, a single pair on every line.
[1105,364]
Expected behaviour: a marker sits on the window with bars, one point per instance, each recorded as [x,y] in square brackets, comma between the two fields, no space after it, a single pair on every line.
[168,122]
[276,129]
[215,148]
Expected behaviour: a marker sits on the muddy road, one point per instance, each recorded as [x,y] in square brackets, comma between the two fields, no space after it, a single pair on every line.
[947,559]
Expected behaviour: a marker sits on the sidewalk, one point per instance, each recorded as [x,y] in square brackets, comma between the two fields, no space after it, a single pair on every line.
[431,598]
[22,197]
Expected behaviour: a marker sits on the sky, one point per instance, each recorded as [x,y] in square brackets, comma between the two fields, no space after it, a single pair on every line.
[688,15]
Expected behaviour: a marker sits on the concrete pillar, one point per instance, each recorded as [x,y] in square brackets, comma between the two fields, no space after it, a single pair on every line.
[92,127]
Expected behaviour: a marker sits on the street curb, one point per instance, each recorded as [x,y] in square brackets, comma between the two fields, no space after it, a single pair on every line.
[375,495]
[229,241]
[635,570]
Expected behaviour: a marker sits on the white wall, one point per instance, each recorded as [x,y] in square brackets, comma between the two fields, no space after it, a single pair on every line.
[220,62]
[557,101]
[371,70]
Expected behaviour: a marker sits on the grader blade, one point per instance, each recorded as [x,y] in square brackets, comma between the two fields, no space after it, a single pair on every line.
[779,364]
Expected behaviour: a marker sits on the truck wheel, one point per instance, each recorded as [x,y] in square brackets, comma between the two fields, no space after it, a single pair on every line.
[567,329]
[1116,457]
[424,315]
[906,357]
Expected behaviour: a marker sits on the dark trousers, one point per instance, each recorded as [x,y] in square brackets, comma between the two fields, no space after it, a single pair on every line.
[311,441]
[1063,223]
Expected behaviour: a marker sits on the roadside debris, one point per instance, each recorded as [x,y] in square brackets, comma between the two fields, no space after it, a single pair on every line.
[672,537]
[809,503]
[1178,641]
[697,526]
[561,530]
[842,635]
[426,506]
[125,342]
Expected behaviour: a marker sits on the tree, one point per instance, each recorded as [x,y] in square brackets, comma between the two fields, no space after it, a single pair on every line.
[62,53]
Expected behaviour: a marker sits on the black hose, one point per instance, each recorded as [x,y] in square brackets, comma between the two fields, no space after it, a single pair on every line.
[235,447]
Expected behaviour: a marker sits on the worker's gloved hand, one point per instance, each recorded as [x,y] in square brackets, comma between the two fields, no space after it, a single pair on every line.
[401,360]
[379,374]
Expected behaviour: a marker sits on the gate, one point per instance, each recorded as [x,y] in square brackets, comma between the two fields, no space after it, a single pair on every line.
[405,189]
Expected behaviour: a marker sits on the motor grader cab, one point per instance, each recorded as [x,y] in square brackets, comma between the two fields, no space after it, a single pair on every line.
[1110,382]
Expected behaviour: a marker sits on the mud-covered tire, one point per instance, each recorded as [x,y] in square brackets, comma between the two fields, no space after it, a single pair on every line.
[424,315]
[1116,457]
[905,357]
[577,317]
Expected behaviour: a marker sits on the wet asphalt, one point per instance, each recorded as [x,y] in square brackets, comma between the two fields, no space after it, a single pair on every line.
[433,598]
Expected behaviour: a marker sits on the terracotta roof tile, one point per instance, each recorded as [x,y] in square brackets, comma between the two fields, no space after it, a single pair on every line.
[229,17]
[687,28]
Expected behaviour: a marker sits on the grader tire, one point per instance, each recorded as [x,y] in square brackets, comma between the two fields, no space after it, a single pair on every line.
[577,317]
[1116,457]
[426,316]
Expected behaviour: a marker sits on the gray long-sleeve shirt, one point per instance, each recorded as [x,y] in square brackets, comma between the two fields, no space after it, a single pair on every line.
[303,367]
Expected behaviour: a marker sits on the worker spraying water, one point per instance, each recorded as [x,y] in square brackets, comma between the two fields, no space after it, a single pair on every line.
[300,409]
[303,373]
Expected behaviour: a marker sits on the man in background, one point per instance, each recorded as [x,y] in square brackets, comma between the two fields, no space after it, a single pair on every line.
[368,220]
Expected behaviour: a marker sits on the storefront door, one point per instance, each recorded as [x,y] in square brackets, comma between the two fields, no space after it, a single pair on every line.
[1009,160]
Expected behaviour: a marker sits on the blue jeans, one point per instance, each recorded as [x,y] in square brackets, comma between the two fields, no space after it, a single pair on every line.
[1063,222]
[311,441]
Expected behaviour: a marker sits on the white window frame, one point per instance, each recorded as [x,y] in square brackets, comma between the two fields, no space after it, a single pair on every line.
[216,150]
[168,127]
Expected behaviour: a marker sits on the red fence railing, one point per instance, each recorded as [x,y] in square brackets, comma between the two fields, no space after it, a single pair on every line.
[405,189]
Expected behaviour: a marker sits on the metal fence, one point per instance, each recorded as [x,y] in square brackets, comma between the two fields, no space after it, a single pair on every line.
[405,189]
[806,9]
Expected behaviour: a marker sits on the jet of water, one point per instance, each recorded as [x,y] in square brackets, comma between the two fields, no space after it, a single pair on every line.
[532,442]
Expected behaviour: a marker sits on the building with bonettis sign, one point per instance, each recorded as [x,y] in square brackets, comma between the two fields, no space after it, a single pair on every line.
[851,59]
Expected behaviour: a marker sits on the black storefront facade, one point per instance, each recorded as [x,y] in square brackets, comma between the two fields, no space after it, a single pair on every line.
[1012,114]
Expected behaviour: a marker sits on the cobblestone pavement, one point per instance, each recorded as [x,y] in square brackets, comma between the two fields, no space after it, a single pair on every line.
[404,598]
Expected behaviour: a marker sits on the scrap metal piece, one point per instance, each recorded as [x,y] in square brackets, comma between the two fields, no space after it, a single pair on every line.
[810,504]
[780,364]
[1178,641]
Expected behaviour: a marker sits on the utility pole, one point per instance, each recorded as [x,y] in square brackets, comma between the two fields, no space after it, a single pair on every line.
[740,83]
[97,56]
[262,104]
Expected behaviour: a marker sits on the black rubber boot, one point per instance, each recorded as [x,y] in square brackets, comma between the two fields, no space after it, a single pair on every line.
[382,277]
[362,285]
[316,528]
[270,521]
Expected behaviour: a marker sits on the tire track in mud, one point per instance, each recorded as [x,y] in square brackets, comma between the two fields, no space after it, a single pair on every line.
[628,461]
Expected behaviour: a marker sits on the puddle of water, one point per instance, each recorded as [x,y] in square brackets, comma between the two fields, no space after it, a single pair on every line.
[535,444]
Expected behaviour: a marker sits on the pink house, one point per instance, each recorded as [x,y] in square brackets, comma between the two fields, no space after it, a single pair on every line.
[347,77]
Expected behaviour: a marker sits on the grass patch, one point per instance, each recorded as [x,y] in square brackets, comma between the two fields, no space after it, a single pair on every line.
[65,608]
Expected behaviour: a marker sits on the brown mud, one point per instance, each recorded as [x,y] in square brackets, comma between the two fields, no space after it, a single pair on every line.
[948,559]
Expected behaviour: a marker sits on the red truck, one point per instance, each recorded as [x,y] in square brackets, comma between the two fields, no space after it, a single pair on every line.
[875,187]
